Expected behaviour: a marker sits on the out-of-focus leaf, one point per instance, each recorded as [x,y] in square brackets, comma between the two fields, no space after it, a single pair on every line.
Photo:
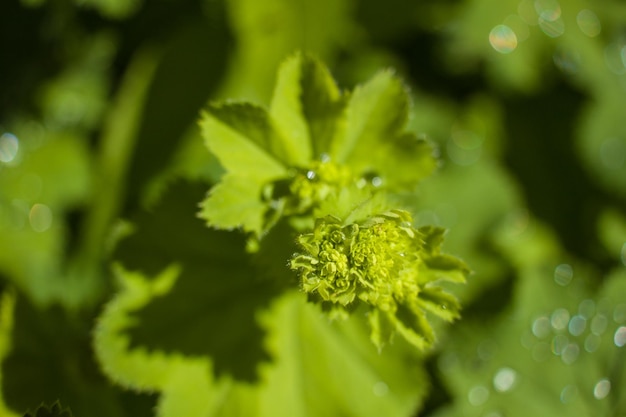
[212,309]
[306,108]
[559,349]
[325,368]
[267,32]
[54,410]
[185,384]
[191,66]
[7,306]
[47,176]
[50,359]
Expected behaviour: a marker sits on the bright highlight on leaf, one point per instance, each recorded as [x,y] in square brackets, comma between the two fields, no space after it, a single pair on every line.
[386,264]
[312,142]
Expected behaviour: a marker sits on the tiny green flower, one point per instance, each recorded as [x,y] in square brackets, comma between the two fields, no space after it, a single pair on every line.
[384,263]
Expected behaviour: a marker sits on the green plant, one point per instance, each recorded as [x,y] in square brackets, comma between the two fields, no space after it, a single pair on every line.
[186,231]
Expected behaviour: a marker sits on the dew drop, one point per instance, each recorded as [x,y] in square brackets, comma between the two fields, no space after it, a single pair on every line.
[505,379]
[478,395]
[620,337]
[310,174]
[602,389]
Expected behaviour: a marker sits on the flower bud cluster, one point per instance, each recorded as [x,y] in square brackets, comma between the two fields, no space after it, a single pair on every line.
[375,261]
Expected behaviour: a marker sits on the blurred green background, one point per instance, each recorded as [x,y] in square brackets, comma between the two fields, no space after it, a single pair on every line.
[524,100]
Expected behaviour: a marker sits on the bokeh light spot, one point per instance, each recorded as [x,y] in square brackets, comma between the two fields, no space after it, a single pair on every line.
[587,308]
[598,324]
[503,39]
[620,337]
[380,389]
[602,389]
[570,353]
[559,319]
[9,145]
[552,28]
[588,23]
[568,394]
[40,217]
[563,274]
[478,395]
[619,314]
[541,327]
[613,153]
[505,379]
[577,325]
[592,343]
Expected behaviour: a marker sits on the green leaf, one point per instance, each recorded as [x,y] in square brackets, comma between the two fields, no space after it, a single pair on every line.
[49,177]
[7,307]
[51,360]
[307,108]
[234,202]
[554,352]
[211,310]
[325,368]
[242,138]
[375,142]
[376,110]
[185,384]
[192,61]
[55,410]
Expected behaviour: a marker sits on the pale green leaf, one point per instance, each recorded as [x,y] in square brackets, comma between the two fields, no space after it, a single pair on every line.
[185,384]
[377,111]
[307,107]
[326,368]
[375,143]
[235,202]
[242,138]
